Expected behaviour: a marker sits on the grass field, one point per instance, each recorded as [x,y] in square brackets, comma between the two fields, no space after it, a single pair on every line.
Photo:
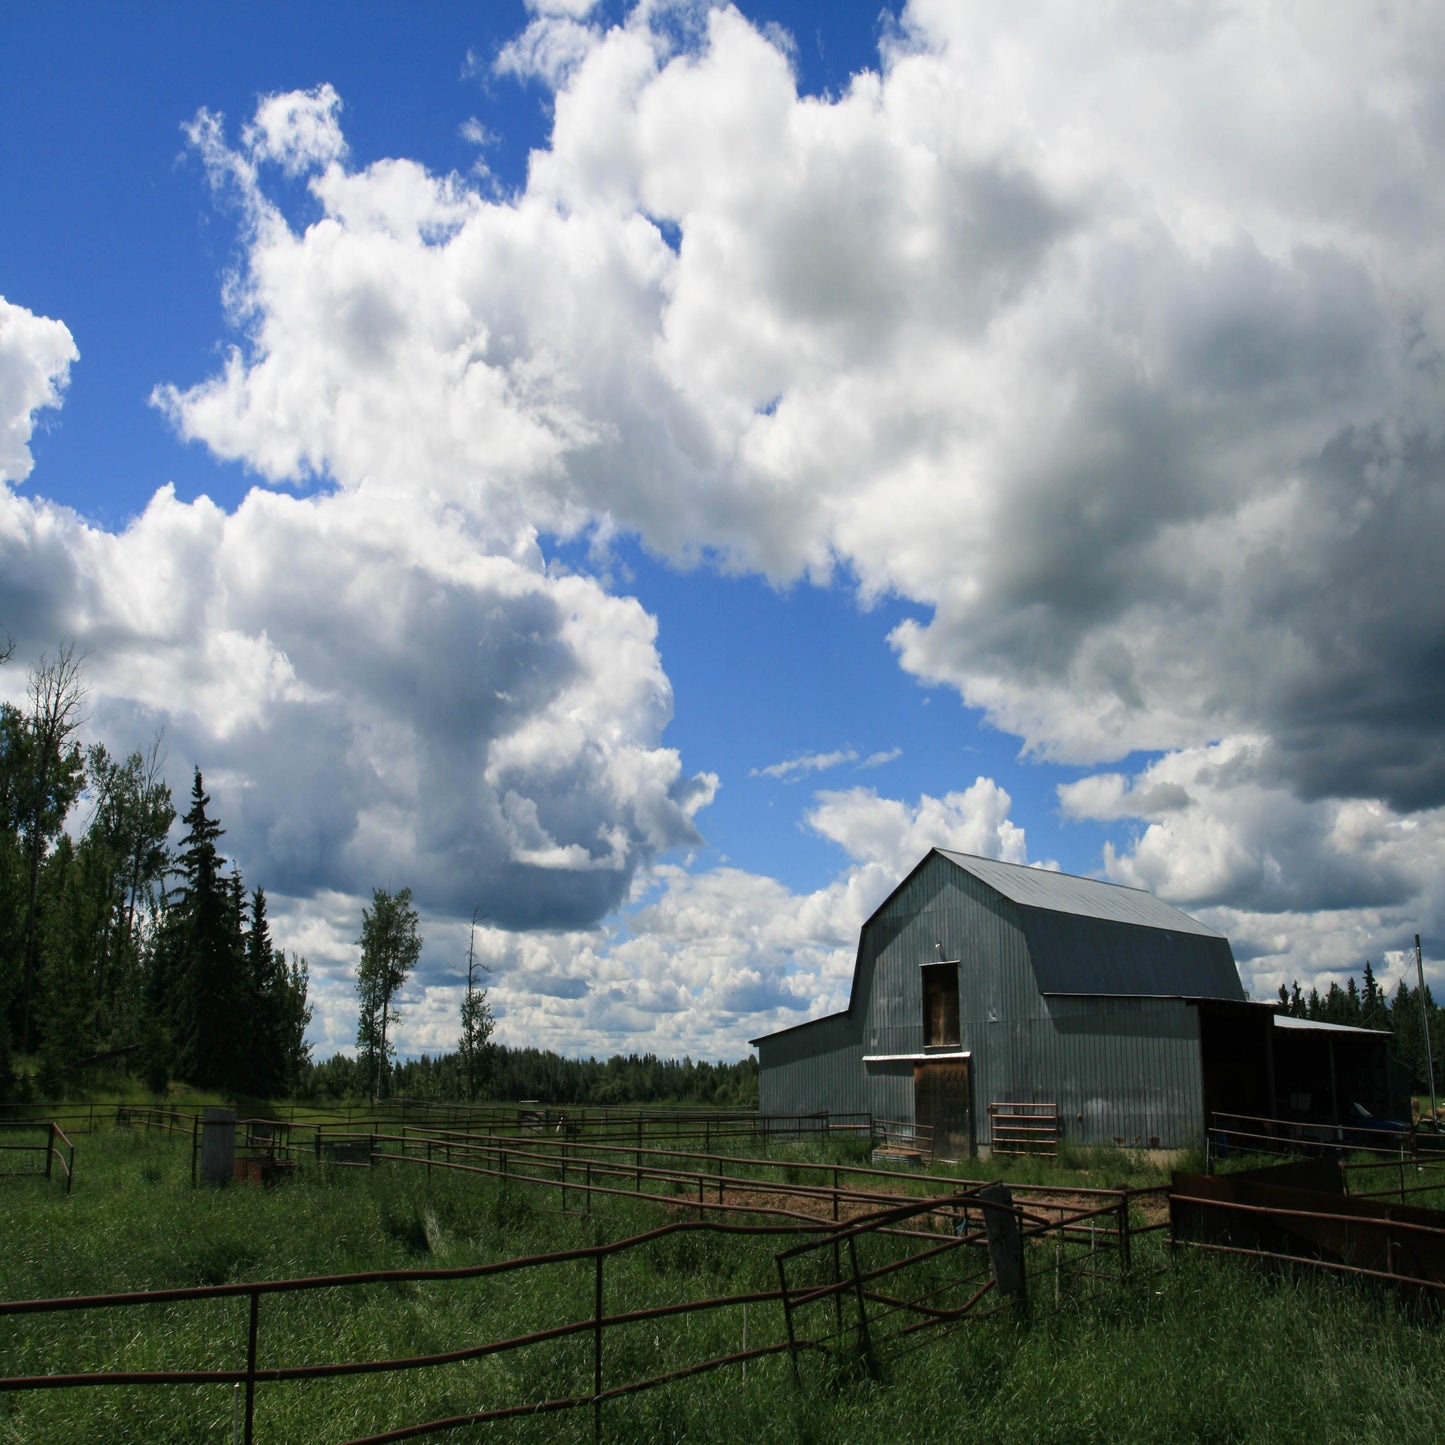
[1201,1351]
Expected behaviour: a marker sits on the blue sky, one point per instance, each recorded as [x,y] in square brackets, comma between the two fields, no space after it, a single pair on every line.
[857,429]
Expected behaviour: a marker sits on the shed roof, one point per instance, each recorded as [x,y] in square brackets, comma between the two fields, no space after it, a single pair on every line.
[1288,1021]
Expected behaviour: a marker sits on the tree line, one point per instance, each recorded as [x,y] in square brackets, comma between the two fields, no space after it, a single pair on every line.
[117,944]
[515,1075]
[1368,1006]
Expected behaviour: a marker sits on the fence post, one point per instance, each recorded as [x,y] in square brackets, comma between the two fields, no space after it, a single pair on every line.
[597,1351]
[251,1364]
[788,1318]
[1124,1242]
[49,1149]
[1005,1246]
[864,1339]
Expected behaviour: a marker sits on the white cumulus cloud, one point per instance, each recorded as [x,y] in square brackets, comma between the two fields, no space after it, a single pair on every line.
[35,357]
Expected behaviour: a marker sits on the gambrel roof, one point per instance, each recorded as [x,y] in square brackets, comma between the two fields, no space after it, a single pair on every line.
[1088,937]
[1081,897]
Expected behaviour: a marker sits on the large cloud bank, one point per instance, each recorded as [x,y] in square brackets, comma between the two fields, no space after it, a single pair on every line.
[1112,337]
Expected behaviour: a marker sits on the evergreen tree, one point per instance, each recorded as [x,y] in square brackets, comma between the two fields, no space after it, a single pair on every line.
[1336,1006]
[1409,1040]
[207,993]
[1374,1009]
[265,1064]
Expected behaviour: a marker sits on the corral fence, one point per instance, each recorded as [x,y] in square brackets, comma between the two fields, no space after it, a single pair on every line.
[715,1185]
[1250,1134]
[18,1143]
[912,1271]
[1301,1215]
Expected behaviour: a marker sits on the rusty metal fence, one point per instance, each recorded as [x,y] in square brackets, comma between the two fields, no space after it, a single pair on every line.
[1250,1134]
[55,1148]
[912,1270]
[1299,1216]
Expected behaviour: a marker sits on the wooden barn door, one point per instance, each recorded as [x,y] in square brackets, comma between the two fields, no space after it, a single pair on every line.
[941,1103]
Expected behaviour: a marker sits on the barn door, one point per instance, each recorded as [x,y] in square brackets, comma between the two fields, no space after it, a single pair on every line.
[941,1103]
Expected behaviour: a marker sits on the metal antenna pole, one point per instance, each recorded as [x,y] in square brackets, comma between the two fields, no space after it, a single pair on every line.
[1425,1018]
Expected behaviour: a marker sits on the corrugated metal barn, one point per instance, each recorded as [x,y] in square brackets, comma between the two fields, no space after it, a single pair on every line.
[983,982]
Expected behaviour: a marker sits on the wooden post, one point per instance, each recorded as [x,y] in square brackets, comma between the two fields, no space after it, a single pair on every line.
[1005,1246]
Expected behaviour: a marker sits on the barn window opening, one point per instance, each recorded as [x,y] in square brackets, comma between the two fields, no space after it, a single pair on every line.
[940,1005]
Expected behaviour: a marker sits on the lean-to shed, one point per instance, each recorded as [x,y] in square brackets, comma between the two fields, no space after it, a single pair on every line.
[982,982]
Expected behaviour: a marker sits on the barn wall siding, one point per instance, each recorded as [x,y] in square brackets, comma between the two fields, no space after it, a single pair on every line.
[1117,1067]
[814,1067]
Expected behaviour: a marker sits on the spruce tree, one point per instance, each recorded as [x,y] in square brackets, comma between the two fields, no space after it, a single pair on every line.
[207,999]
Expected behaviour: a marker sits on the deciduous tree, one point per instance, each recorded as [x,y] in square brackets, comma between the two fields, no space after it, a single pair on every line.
[390,945]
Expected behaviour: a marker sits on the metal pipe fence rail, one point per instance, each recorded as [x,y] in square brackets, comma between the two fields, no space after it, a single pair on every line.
[494,1117]
[894,1302]
[602,1170]
[900,1285]
[1249,1133]
[593,1325]
[55,1149]
[74,1118]
[902,1139]
[588,1176]
[1430,1170]
[1024,1128]
[1405,1241]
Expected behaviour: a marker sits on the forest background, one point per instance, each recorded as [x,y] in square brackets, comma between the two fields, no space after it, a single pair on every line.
[126,946]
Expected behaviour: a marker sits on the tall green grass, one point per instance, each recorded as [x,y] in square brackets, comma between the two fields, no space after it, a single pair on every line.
[1202,1351]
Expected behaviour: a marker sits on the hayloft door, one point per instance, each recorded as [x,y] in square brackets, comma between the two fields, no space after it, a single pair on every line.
[941,1104]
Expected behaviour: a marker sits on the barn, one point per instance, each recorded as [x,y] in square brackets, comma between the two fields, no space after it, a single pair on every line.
[980,983]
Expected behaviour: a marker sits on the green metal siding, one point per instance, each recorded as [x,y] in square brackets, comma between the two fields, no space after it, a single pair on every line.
[1117,1067]
[812,1067]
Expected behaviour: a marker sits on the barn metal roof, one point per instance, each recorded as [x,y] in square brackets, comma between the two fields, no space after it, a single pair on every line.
[1288,1021]
[1082,897]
